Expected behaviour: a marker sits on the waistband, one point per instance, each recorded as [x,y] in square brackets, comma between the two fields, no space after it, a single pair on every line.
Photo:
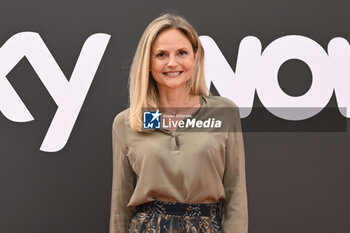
[174,208]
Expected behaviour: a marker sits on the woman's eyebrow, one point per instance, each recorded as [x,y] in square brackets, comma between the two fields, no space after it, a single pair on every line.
[159,50]
[183,48]
[165,50]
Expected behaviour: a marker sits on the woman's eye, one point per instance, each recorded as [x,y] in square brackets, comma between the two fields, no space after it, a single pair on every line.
[182,52]
[161,55]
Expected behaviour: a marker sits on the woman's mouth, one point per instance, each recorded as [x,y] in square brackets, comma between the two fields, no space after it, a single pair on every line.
[173,73]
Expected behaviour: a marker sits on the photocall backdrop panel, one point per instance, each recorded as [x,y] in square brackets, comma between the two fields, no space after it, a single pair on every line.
[63,77]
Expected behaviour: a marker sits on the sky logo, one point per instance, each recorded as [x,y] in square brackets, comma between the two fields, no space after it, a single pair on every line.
[68,92]
[151,120]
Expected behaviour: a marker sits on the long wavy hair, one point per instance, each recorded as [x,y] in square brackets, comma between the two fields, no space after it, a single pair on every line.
[142,87]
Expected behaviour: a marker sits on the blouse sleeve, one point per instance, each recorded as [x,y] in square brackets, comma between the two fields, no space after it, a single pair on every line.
[122,186]
[235,208]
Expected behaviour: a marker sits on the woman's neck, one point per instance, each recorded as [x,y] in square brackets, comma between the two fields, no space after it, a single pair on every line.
[178,99]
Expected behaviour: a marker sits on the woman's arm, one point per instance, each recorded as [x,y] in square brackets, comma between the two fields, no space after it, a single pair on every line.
[235,209]
[123,184]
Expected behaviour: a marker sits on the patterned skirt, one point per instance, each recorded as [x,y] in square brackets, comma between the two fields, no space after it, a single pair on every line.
[170,217]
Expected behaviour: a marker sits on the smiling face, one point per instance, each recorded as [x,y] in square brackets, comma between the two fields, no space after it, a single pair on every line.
[172,60]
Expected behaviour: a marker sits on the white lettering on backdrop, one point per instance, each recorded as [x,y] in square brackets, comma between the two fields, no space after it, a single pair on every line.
[257,70]
[68,95]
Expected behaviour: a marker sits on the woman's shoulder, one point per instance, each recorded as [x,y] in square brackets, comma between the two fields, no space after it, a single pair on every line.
[227,111]
[121,120]
[220,102]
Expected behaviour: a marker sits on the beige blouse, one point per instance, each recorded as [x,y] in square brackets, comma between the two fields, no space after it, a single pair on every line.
[184,166]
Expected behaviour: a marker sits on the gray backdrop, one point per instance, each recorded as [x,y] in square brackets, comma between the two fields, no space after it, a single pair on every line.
[297,181]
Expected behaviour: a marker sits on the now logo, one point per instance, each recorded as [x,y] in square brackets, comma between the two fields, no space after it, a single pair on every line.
[68,95]
[257,71]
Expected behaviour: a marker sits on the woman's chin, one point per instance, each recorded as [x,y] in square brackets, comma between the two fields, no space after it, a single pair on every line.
[174,86]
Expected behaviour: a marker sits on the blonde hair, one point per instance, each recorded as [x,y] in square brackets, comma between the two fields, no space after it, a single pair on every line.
[142,87]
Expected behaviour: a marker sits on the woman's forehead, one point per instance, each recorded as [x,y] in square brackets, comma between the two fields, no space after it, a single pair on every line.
[171,39]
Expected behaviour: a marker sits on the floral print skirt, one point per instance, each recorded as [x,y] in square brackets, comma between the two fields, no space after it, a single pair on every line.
[170,217]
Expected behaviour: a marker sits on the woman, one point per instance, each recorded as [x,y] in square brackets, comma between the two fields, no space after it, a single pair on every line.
[174,180]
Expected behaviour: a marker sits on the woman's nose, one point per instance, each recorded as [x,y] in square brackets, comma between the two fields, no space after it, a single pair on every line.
[172,61]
